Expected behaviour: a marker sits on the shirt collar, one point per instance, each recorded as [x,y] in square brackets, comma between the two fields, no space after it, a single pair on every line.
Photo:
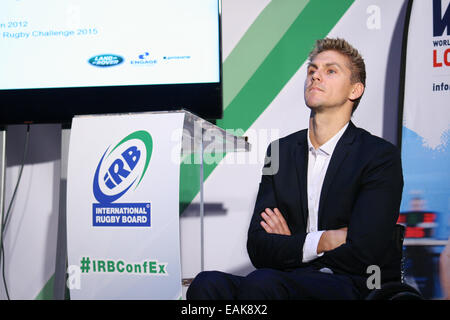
[328,147]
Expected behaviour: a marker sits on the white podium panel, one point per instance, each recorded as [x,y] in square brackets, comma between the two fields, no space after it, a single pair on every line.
[123,206]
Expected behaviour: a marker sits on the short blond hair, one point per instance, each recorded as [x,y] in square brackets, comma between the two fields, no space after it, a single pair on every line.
[357,65]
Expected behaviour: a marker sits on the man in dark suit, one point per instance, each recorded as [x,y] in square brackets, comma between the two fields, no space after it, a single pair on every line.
[328,200]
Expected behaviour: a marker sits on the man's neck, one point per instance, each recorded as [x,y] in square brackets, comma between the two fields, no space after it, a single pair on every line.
[323,126]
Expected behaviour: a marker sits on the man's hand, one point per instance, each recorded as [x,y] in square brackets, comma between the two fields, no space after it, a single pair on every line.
[331,239]
[274,222]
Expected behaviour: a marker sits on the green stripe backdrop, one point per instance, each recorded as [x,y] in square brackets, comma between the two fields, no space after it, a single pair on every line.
[268,64]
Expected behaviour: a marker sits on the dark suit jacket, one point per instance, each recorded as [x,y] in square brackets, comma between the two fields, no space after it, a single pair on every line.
[362,191]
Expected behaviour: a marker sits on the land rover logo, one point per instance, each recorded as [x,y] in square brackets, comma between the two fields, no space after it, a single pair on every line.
[106,60]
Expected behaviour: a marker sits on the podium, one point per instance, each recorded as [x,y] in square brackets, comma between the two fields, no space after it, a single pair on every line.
[129,178]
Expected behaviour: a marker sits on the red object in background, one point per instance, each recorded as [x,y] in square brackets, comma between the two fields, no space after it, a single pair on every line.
[412,221]
[414,232]
[429,217]
[401,218]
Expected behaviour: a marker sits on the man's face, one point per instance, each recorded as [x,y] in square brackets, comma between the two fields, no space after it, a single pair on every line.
[327,83]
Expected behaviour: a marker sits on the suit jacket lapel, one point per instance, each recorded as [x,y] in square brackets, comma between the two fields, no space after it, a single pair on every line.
[301,166]
[339,155]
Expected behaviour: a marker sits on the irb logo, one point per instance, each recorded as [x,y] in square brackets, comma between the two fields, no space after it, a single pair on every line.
[117,170]
[122,166]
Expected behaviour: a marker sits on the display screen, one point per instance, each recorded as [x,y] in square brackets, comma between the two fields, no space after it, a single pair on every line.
[80,56]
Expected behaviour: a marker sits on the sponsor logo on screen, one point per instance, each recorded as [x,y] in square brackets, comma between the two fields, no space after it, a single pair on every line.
[105,60]
[120,171]
[144,59]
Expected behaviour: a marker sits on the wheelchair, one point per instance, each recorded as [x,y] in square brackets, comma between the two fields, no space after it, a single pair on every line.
[396,290]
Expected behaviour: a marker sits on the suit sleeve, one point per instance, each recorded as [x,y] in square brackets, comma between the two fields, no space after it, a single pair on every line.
[373,218]
[271,250]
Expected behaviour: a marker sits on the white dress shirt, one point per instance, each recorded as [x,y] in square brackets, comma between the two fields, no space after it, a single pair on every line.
[318,161]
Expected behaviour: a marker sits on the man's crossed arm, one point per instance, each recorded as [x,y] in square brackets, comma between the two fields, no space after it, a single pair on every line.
[273,222]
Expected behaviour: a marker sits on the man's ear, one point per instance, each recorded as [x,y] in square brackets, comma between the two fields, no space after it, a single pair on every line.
[357,91]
